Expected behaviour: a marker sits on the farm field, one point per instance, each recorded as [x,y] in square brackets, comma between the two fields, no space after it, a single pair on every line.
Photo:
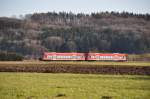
[73,86]
[80,67]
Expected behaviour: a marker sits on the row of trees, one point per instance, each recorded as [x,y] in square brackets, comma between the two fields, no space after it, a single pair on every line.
[71,15]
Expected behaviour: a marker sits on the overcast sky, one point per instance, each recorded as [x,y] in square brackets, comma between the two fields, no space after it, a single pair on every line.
[18,7]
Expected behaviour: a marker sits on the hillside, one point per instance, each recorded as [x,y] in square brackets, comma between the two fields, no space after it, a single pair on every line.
[67,32]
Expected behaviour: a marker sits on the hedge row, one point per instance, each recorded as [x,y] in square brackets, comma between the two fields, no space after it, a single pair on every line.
[5,56]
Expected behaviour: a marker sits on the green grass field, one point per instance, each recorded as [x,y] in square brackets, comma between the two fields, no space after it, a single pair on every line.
[77,63]
[73,86]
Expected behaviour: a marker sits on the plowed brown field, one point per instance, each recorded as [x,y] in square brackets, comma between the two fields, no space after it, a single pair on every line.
[77,67]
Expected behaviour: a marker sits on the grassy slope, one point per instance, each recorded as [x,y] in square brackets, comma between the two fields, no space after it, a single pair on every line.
[78,63]
[73,86]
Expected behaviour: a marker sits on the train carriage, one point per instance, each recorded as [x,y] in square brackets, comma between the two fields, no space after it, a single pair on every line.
[107,56]
[63,56]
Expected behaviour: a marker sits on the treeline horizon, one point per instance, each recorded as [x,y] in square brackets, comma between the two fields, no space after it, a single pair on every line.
[106,32]
[23,16]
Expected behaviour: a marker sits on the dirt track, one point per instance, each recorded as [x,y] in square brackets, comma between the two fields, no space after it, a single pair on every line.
[143,70]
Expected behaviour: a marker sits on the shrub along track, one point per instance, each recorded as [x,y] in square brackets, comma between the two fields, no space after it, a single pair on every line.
[75,68]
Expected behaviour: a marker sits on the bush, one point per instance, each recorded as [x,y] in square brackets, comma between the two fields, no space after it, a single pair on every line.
[5,56]
[139,57]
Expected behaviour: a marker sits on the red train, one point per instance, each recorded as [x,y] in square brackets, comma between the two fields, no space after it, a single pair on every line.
[84,56]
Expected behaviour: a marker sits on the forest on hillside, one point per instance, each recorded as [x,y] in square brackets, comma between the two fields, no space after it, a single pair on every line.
[107,32]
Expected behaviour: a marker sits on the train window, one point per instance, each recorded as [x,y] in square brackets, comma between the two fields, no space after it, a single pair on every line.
[49,57]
